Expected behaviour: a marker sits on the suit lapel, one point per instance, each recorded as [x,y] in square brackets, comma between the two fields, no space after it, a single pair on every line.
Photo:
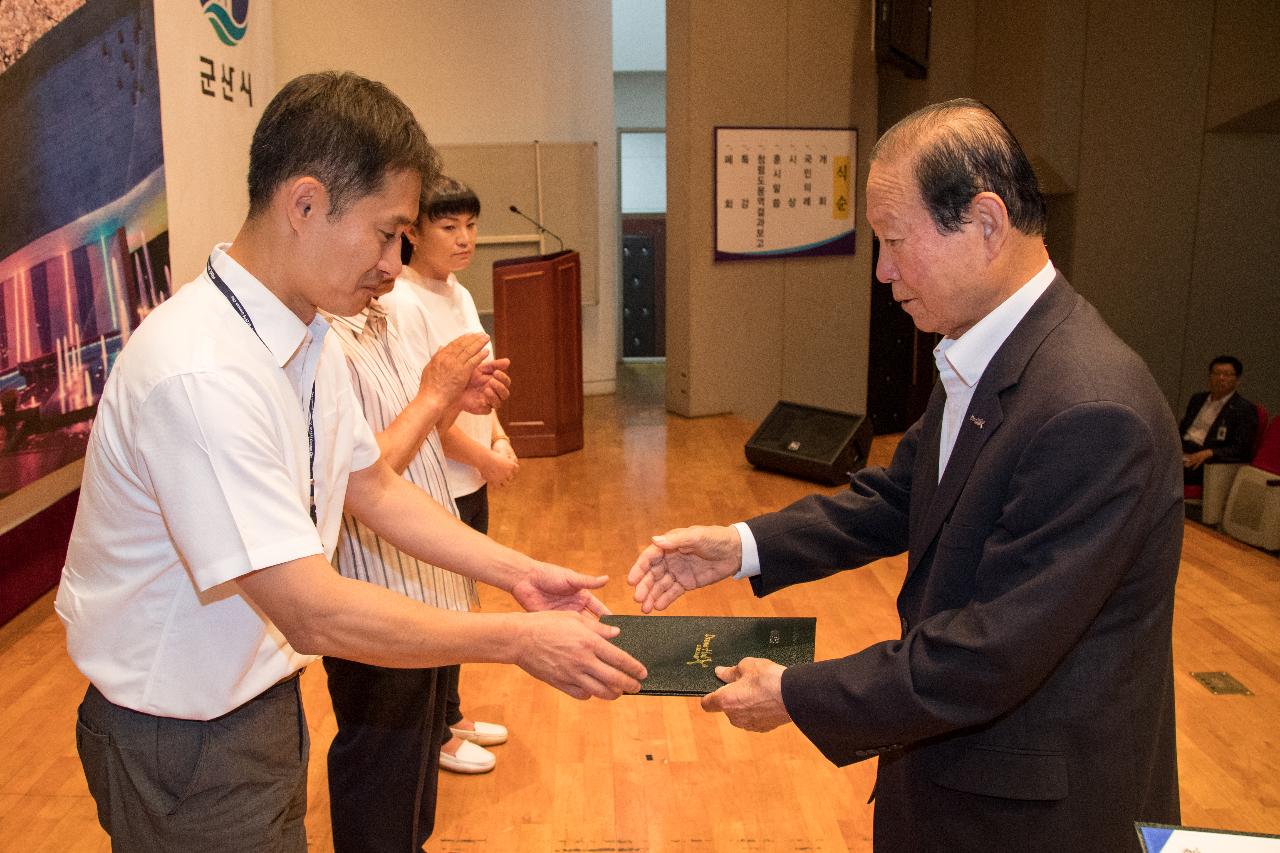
[932,505]
[924,477]
[984,409]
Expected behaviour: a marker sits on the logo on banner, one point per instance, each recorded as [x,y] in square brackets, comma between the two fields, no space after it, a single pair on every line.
[229,19]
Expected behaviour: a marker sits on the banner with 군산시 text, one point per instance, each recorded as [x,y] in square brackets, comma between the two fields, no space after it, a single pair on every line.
[217,73]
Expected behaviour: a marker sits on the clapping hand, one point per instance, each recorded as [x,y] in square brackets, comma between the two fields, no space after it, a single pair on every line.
[461,374]
[500,465]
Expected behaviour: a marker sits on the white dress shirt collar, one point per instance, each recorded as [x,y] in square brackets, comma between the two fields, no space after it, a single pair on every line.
[277,326]
[970,354]
[962,361]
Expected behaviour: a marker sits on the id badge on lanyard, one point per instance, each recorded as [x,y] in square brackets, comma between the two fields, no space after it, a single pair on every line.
[311,409]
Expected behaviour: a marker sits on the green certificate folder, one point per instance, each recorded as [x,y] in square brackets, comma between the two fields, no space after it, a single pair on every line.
[682,652]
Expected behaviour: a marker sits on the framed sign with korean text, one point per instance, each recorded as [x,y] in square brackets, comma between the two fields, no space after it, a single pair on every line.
[784,192]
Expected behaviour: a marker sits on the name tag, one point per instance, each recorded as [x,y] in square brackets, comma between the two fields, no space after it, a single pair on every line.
[1222,433]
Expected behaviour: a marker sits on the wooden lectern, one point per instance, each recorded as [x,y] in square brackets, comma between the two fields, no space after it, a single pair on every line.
[537,323]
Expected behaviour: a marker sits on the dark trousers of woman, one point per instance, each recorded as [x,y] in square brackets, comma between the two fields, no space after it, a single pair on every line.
[473,509]
[384,762]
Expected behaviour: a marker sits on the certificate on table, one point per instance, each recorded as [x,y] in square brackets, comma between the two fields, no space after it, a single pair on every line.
[1160,838]
[681,653]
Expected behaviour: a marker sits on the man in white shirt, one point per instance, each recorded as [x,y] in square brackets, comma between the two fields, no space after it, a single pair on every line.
[226,444]
[1028,702]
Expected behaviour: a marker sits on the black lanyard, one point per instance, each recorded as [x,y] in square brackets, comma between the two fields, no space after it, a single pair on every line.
[311,412]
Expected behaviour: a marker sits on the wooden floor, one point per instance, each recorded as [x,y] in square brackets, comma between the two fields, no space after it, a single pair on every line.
[657,774]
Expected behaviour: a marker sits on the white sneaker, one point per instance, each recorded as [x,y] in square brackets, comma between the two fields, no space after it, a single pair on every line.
[484,734]
[470,758]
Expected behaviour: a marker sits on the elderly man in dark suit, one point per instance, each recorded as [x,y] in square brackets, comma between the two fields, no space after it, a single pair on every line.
[1028,703]
[1220,425]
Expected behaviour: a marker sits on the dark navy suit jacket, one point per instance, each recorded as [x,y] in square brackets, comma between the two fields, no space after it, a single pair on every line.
[1028,703]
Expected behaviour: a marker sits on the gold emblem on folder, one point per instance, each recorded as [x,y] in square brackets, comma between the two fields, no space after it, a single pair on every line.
[702,652]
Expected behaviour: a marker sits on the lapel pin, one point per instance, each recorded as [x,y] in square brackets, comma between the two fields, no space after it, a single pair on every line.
[978,422]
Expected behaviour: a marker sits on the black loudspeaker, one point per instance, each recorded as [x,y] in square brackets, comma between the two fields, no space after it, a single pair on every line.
[822,445]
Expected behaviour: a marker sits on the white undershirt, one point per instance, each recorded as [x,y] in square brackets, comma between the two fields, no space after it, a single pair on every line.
[962,361]
[1199,429]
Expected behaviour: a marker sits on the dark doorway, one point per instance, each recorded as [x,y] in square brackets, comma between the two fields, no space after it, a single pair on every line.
[900,368]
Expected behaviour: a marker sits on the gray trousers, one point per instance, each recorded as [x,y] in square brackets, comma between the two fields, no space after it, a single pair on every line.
[235,783]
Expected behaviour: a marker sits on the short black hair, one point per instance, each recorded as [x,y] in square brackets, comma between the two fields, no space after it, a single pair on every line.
[346,131]
[446,196]
[962,148]
[441,196]
[1228,359]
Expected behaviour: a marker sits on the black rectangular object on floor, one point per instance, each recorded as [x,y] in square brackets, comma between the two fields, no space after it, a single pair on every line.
[816,444]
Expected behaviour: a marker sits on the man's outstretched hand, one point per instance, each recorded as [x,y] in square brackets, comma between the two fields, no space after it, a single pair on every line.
[683,559]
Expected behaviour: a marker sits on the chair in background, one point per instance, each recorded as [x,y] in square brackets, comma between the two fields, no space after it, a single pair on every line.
[1211,499]
[1252,513]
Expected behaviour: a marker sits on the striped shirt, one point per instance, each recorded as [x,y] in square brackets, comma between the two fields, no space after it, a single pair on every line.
[384,383]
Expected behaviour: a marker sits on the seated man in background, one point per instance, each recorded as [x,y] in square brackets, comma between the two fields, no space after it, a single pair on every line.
[1220,425]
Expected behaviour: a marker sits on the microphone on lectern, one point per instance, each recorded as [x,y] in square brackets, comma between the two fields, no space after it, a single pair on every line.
[518,212]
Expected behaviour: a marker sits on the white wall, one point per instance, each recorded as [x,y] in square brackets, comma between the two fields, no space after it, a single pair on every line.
[639,35]
[485,72]
[640,99]
[644,172]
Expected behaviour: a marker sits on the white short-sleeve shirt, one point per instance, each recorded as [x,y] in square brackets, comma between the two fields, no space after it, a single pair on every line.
[430,314]
[197,472]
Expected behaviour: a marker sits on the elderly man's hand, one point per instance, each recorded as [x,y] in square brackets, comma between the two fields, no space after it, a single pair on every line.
[683,559]
[752,696]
